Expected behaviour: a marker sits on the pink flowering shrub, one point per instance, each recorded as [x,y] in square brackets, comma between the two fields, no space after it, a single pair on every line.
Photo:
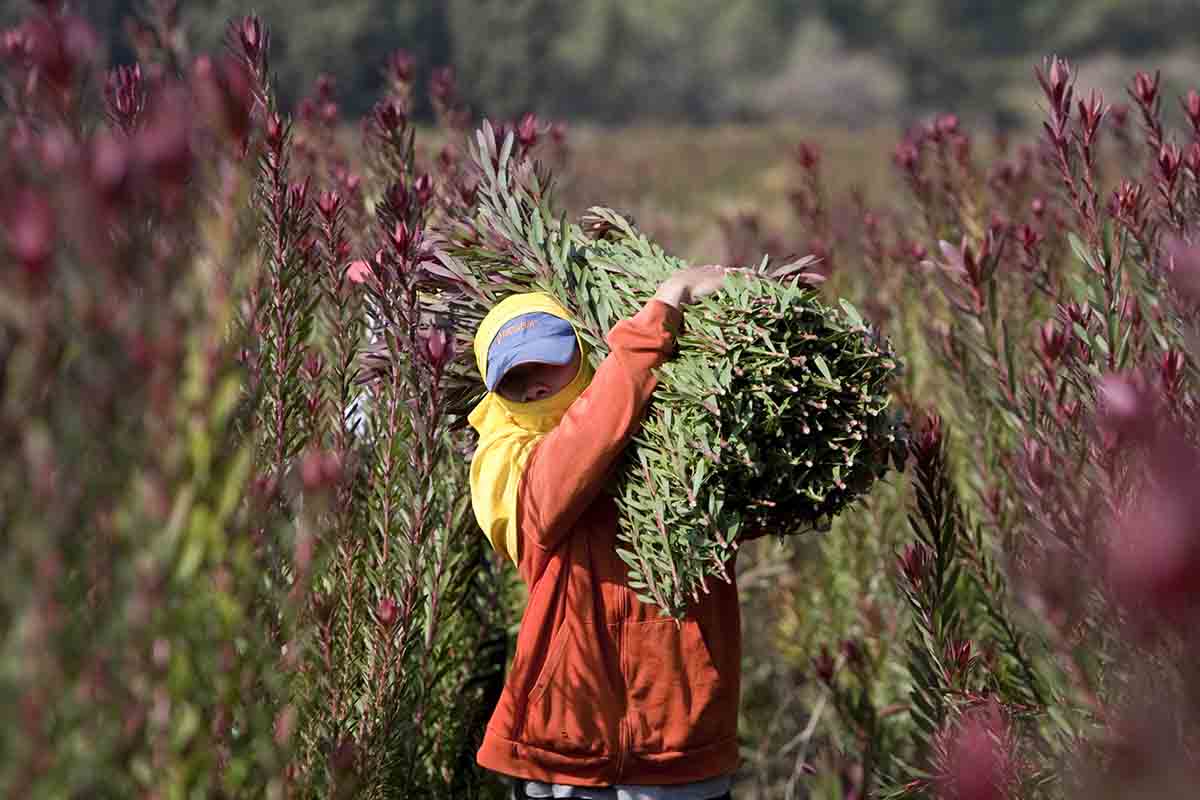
[237,552]
[1045,298]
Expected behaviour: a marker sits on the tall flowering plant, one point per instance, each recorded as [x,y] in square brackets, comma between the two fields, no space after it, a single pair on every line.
[237,548]
[1046,303]
[134,658]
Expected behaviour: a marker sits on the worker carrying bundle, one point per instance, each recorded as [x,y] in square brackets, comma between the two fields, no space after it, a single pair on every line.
[772,416]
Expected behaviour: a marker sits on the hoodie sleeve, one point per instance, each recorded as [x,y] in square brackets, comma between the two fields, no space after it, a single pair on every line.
[569,466]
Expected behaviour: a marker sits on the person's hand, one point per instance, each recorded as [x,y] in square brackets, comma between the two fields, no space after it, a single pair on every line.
[689,285]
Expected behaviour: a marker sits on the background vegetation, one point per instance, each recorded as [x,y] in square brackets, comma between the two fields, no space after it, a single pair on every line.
[854,61]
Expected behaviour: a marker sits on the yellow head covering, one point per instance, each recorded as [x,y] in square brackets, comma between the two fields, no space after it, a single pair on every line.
[508,431]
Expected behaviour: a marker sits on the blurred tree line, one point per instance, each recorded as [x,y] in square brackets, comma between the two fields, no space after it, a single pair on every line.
[700,60]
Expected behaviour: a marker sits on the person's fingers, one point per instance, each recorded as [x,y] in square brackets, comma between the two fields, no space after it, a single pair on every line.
[709,286]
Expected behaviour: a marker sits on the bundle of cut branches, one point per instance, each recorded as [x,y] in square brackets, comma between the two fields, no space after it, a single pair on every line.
[773,415]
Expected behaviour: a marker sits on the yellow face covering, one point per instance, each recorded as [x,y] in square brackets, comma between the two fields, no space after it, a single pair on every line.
[508,431]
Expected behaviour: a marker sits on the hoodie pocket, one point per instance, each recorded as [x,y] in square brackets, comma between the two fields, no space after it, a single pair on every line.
[678,700]
[567,711]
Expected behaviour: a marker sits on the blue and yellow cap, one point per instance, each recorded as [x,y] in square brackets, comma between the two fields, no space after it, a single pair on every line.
[532,338]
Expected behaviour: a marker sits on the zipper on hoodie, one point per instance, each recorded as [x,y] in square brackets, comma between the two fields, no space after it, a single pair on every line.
[622,725]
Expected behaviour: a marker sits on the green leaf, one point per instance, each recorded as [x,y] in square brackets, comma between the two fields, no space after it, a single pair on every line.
[851,312]
[1009,361]
[823,367]
[1080,249]
[628,556]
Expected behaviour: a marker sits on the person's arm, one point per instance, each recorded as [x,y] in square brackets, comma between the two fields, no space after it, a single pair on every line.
[570,465]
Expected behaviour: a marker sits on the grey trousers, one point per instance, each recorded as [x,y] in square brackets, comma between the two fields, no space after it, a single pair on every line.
[518,793]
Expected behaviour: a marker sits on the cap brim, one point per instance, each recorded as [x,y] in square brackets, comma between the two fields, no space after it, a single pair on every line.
[553,350]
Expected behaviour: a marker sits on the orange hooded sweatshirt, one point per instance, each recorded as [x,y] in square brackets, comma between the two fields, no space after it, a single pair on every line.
[602,690]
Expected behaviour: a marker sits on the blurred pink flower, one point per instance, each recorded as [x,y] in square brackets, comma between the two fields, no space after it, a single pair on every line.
[58,45]
[808,156]
[977,756]
[31,229]
[162,146]
[1125,406]
[1153,544]
[1183,266]
[1191,107]
[401,66]
[386,612]
[359,271]
[439,348]
[320,469]
[1145,88]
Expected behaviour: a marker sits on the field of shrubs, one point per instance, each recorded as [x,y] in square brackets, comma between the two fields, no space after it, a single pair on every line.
[237,556]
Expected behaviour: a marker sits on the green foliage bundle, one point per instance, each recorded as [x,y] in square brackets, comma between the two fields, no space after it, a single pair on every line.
[774,417]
